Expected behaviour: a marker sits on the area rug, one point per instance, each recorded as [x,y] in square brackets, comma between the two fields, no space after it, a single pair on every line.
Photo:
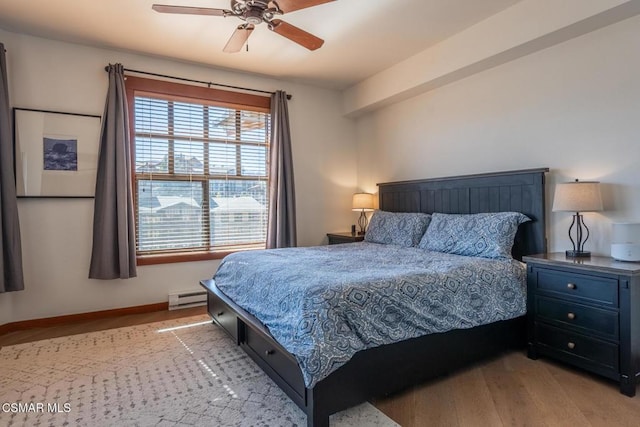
[183,372]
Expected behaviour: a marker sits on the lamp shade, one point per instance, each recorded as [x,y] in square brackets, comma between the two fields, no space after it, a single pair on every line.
[578,196]
[362,202]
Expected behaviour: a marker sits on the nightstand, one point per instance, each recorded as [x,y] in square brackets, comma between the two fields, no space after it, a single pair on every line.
[586,312]
[335,238]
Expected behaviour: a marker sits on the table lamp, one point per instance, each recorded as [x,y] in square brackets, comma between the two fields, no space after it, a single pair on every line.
[362,202]
[578,196]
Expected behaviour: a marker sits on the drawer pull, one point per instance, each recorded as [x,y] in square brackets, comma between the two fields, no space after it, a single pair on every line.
[220,313]
[571,285]
[571,345]
[269,352]
[571,316]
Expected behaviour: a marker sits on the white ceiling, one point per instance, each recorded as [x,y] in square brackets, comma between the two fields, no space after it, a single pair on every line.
[362,37]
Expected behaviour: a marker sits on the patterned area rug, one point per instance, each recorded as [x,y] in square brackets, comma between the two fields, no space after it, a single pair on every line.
[183,372]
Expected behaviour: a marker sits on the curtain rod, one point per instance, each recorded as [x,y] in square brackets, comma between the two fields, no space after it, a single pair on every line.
[209,84]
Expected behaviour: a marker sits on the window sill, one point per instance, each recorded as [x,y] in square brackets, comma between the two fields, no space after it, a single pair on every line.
[192,256]
[184,257]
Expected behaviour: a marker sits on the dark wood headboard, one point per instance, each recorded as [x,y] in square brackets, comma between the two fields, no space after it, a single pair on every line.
[515,191]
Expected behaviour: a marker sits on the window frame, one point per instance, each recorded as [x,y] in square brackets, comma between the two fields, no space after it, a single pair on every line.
[184,93]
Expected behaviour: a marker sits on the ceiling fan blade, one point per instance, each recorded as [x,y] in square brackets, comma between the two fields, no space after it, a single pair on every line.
[186,10]
[295,34]
[291,5]
[238,38]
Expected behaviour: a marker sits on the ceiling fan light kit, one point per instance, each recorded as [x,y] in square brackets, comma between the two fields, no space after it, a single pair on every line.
[255,12]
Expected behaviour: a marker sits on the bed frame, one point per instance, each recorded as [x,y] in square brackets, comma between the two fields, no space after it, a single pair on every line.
[390,368]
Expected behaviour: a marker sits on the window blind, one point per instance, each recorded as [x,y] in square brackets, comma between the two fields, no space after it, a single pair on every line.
[200,175]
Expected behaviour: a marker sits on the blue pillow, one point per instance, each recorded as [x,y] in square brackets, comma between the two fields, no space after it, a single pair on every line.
[397,228]
[487,235]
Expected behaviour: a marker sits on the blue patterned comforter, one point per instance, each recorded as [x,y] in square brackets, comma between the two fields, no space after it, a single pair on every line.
[324,304]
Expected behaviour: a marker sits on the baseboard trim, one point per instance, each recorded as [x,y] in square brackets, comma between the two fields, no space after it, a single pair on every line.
[73,318]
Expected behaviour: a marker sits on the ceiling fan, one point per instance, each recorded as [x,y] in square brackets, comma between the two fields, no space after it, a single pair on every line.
[254,12]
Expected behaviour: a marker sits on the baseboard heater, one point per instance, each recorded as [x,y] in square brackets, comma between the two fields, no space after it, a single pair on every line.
[187,299]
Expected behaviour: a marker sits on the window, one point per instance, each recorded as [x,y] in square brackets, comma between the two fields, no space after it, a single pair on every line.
[200,160]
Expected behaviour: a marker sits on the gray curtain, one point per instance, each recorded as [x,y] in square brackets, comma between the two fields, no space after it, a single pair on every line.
[113,254]
[281,228]
[10,246]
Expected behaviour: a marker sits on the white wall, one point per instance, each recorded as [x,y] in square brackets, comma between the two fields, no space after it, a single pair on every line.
[526,27]
[573,108]
[56,233]
[6,311]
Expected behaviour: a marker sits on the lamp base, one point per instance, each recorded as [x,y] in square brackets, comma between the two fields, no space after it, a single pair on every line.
[578,254]
[362,222]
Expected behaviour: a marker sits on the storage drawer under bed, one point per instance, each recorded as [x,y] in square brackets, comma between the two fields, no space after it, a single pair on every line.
[223,315]
[282,363]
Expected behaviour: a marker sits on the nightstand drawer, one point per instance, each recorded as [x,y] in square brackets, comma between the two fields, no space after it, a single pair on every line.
[578,316]
[578,346]
[601,290]
[337,238]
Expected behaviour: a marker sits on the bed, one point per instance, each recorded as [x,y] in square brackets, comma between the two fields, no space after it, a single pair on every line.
[387,368]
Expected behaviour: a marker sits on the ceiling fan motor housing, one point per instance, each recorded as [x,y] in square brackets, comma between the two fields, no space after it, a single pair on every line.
[253,15]
[253,11]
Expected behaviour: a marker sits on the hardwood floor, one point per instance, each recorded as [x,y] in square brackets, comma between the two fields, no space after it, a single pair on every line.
[510,390]
[81,327]
[513,390]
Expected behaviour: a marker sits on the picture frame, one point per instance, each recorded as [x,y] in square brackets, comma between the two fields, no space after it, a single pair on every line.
[55,153]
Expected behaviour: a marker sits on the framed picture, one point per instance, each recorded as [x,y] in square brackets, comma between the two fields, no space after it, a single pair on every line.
[56,153]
